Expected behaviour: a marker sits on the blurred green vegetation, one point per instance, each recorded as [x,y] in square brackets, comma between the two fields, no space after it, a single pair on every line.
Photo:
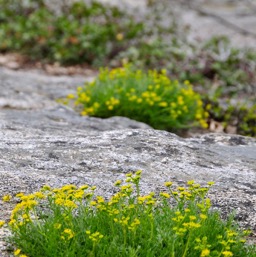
[103,35]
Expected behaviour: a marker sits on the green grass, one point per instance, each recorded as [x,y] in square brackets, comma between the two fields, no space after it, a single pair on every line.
[73,221]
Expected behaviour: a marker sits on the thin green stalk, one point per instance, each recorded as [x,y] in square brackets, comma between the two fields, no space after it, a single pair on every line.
[187,244]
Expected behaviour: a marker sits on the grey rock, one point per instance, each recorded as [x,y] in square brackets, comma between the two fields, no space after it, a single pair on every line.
[61,118]
[32,157]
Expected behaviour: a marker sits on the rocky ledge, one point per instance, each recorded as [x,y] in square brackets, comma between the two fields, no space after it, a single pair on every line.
[42,142]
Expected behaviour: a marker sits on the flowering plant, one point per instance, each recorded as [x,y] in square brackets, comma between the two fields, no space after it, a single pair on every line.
[73,221]
[147,97]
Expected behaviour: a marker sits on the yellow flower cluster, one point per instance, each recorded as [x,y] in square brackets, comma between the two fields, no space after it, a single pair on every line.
[95,237]
[127,210]
[111,103]
[67,234]
[2,222]
[148,97]
[18,253]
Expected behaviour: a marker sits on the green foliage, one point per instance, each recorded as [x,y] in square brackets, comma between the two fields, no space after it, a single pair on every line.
[102,35]
[217,71]
[81,33]
[239,116]
[72,221]
[217,61]
[148,97]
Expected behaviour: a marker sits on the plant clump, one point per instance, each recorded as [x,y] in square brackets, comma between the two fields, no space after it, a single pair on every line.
[80,33]
[147,97]
[73,221]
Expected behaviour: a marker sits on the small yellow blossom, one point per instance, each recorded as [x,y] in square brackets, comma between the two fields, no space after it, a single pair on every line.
[70,96]
[83,187]
[1,223]
[67,234]
[57,225]
[138,172]
[7,198]
[17,252]
[46,188]
[168,184]
[205,252]
[203,216]
[93,203]
[166,195]
[120,36]
[118,183]
[227,253]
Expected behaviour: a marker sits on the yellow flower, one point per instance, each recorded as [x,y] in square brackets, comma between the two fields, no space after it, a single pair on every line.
[70,204]
[163,71]
[134,224]
[46,188]
[118,183]
[67,234]
[57,225]
[59,201]
[168,184]
[191,225]
[19,195]
[198,116]
[70,96]
[186,82]
[100,199]
[83,187]
[139,100]
[39,195]
[203,216]
[17,252]
[227,253]
[93,203]
[208,107]
[26,217]
[7,198]
[138,172]
[79,194]
[173,105]
[180,100]
[1,223]
[166,195]
[203,124]
[163,104]
[120,36]
[205,252]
